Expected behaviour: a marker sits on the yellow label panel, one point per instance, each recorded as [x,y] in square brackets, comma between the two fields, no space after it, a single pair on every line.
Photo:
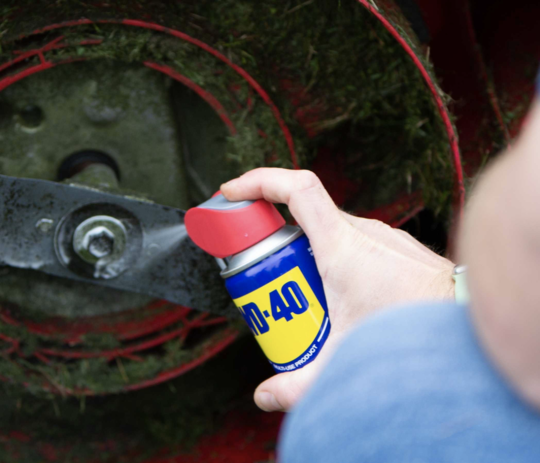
[284,315]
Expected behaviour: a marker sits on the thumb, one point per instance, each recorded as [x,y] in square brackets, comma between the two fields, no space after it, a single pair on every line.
[280,392]
[301,190]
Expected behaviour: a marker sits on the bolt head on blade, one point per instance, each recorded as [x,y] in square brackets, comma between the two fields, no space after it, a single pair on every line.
[100,237]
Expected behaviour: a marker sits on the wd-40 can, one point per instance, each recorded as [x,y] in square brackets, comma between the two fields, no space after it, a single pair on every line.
[270,273]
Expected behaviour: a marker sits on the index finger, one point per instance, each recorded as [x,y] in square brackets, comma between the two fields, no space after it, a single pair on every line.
[301,190]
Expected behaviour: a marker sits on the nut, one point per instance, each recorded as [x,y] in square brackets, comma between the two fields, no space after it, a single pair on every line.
[100,237]
[99,242]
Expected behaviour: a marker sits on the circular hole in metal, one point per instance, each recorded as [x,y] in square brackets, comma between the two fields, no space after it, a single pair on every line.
[30,117]
[77,162]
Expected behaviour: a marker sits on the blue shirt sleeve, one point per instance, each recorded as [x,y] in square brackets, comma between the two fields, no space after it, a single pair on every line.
[411,385]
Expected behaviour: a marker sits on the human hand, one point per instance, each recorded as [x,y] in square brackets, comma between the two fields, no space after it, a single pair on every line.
[365,265]
[499,241]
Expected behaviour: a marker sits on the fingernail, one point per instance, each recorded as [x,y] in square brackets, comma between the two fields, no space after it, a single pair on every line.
[267,402]
[229,183]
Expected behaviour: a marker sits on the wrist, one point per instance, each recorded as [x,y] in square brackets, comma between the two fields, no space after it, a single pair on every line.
[442,286]
[448,286]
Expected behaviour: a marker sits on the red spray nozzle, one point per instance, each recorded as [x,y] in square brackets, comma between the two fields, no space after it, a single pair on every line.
[223,228]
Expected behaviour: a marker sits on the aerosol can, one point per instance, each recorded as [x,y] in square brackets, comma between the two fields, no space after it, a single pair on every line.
[270,273]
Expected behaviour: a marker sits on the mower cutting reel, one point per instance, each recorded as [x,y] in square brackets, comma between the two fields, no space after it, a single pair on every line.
[157,104]
[168,113]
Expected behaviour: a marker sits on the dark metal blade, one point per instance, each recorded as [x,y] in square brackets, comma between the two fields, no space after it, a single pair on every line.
[168,267]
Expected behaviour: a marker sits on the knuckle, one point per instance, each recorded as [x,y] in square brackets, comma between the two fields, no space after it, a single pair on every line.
[307,179]
[253,173]
[379,226]
[402,233]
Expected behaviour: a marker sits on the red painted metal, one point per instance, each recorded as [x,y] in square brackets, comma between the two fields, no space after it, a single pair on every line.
[456,63]
[250,80]
[477,47]
[179,315]
[443,111]
[52,45]
[244,435]
[72,330]
[181,35]
[243,438]
[508,39]
[493,98]
[230,336]
[180,333]
[399,212]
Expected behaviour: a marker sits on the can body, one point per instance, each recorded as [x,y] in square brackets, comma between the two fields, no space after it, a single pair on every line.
[282,300]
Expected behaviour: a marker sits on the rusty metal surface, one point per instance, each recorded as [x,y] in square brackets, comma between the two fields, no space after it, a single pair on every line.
[123,110]
[163,263]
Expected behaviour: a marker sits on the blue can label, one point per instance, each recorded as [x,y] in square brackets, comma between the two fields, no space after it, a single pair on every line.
[287,319]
